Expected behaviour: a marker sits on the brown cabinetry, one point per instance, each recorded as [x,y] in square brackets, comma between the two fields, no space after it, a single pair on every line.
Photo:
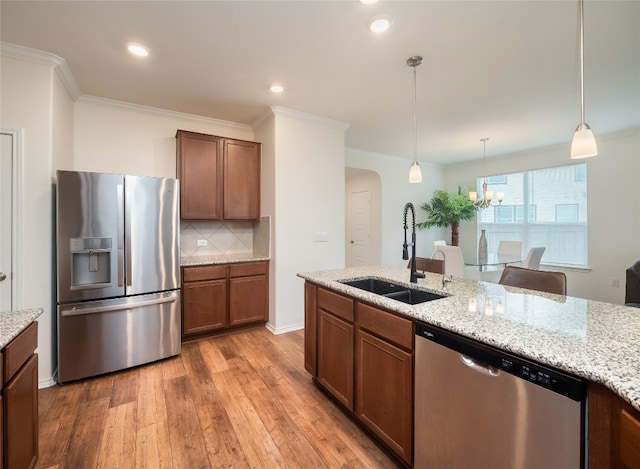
[363,356]
[216,297]
[384,373]
[20,400]
[219,177]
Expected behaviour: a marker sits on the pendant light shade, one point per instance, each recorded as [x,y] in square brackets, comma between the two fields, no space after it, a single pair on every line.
[415,174]
[583,144]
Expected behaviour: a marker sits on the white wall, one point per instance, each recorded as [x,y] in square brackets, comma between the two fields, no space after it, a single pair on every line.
[396,191]
[116,137]
[306,162]
[34,101]
[613,215]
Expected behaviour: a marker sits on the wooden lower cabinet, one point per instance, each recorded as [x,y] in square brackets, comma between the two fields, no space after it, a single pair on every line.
[335,357]
[363,356]
[625,435]
[20,401]
[217,297]
[384,391]
[248,293]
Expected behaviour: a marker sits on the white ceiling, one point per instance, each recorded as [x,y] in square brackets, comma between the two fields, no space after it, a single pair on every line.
[507,70]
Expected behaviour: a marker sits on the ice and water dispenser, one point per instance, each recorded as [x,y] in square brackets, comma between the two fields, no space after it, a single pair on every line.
[90,262]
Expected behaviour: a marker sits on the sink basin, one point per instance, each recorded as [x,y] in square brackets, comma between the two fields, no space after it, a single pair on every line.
[408,295]
[375,285]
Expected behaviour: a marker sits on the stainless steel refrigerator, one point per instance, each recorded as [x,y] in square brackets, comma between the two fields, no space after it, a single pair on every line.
[118,272]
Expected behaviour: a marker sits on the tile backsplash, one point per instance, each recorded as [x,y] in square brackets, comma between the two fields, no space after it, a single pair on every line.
[224,237]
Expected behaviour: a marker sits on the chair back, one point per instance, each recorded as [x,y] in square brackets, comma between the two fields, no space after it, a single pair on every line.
[632,285]
[510,248]
[453,260]
[532,261]
[439,242]
[428,265]
[540,280]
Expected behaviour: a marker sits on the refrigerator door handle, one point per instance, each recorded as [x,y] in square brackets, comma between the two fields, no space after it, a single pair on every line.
[127,226]
[118,307]
[120,254]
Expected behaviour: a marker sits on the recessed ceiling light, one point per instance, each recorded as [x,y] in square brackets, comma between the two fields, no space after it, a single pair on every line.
[276,88]
[138,50]
[379,25]
[368,2]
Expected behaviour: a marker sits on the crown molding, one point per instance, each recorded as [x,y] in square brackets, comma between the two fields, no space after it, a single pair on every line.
[209,121]
[303,116]
[44,58]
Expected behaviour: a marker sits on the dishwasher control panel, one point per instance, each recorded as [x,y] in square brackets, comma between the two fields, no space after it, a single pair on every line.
[496,360]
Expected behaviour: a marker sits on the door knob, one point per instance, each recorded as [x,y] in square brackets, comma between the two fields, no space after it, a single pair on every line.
[2,276]
[352,242]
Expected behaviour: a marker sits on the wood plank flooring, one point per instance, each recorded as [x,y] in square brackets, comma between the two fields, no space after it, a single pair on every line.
[235,401]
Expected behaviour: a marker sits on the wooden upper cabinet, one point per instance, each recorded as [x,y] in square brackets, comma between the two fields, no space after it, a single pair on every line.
[219,177]
[199,168]
[241,200]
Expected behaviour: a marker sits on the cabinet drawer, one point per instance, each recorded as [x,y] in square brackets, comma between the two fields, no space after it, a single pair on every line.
[248,268]
[336,304]
[18,351]
[205,272]
[385,324]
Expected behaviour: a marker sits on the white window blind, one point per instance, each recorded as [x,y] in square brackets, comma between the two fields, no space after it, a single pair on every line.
[544,207]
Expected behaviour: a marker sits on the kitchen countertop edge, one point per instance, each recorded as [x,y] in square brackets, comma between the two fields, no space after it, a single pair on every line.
[12,323]
[190,261]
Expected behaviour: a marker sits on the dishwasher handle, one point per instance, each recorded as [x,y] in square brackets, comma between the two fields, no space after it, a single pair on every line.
[480,367]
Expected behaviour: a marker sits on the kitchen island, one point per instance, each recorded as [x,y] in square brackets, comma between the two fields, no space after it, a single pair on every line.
[597,341]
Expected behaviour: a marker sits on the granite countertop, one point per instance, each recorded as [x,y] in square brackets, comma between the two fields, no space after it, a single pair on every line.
[13,323]
[188,261]
[590,339]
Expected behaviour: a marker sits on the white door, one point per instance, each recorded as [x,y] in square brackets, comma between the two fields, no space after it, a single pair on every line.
[6,172]
[360,228]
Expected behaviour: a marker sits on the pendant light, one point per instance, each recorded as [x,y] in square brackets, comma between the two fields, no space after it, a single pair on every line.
[415,175]
[487,195]
[583,144]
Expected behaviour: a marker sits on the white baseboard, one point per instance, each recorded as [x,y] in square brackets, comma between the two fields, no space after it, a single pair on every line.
[283,330]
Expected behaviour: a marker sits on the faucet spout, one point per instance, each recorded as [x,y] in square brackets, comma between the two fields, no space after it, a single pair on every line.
[415,275]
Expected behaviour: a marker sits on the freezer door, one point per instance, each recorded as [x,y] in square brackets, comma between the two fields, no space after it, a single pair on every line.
[89,236]
[152,221]
[97,337]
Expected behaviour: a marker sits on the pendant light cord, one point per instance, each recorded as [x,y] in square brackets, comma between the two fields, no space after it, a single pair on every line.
[415,119]
[582,61]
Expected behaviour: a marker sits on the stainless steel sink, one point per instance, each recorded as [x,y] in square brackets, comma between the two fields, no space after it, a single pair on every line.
[402,293]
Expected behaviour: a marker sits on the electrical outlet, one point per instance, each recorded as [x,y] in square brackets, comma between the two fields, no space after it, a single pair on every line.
[202,242]
[615,282]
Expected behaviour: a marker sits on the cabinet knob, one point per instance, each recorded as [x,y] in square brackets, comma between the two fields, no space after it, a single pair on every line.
[2,276]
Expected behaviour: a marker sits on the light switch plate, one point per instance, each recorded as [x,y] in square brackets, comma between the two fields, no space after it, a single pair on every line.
[321,236]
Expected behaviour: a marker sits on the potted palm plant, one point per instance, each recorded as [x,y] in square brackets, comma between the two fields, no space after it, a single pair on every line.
[448,209]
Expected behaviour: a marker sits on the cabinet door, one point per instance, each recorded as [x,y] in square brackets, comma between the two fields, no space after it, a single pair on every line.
[21,417]
[385,391]
[248,299]
[204,306]
[625,435]
[199,168]
[241,180]
[335,357]
[310,328]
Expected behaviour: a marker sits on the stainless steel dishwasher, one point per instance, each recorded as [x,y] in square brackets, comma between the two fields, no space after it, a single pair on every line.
[479,407]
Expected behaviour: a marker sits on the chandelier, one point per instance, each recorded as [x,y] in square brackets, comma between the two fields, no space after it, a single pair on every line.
[487,195]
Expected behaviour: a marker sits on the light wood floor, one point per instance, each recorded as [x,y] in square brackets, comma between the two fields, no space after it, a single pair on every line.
[240,400]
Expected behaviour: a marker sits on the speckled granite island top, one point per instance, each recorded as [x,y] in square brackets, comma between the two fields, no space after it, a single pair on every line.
[13,323]
[221,259]
[593,340]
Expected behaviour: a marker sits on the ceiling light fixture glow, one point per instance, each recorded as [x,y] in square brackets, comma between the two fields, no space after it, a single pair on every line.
[138,50]
[379,25]
[368,2]
[276,88]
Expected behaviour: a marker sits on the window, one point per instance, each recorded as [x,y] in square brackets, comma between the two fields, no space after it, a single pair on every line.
[544,207]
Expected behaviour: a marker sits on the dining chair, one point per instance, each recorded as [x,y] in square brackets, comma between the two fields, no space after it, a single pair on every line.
[439,242]
[540,280]
[509,248]
[428,265]
[453,260]
[532,261]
